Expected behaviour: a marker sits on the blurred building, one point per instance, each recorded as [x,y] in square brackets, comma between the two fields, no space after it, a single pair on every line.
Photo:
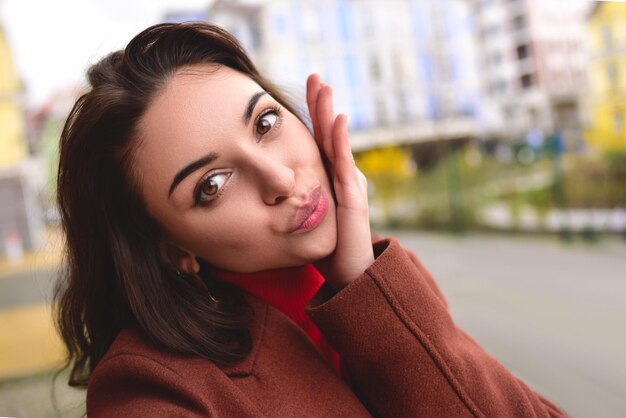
[44,125]
[20,221]
[185,16]
[607,90]
[404,71]
[12,143]
[533,63]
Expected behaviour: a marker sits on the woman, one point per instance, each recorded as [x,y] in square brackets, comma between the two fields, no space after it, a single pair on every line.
[194,201]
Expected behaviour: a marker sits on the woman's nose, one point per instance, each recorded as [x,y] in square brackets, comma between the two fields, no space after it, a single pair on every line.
[277,180]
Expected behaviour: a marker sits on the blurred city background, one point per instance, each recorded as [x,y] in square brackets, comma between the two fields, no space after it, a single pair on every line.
[492,132]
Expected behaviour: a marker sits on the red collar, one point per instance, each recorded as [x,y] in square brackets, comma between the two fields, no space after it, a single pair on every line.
[288,290]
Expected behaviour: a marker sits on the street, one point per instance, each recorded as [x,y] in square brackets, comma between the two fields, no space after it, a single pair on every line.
[552,313]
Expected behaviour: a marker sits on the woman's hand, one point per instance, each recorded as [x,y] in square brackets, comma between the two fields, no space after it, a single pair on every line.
[354,252]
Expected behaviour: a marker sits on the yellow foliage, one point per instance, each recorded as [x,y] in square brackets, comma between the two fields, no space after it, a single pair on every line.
[392,162]
[388,171]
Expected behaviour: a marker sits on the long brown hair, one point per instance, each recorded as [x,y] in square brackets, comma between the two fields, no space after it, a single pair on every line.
[114,276]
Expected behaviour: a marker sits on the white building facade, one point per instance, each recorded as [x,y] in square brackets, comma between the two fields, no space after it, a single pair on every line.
[400,68]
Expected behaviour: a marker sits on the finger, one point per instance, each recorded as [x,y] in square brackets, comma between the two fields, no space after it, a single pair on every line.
[326,119]
[362,179]
[314,85]
[345,168]
[312,92]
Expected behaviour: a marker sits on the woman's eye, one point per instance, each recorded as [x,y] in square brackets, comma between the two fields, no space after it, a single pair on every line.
[266,122]
[210,187]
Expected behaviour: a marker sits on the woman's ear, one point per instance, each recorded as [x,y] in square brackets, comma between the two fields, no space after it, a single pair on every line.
[179,258]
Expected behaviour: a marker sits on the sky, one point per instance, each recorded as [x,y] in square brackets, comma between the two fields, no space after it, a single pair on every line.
[54,41]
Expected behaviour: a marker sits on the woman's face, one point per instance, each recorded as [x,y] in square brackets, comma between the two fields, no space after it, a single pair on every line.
[231,176]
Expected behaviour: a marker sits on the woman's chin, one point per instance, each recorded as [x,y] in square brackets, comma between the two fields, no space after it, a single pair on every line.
[322,248]
[324,251]
[314,248]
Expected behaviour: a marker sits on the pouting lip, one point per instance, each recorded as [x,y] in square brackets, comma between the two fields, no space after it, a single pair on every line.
[304,212]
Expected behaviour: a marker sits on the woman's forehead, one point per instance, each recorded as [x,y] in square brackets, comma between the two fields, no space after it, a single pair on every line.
[199,103]
[217,76]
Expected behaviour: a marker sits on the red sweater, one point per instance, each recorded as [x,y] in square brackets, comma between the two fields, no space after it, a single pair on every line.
[288,290]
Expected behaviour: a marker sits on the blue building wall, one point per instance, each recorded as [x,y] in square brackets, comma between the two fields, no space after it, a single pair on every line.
[334,38]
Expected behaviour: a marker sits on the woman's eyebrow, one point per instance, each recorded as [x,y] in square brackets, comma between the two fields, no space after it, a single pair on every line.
[190,168]
[195,165]
[253,101]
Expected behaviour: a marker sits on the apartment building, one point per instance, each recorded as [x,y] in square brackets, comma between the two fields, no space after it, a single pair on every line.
[403,70]
[533,59]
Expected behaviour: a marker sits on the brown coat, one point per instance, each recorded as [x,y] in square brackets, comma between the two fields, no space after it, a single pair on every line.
[391,326]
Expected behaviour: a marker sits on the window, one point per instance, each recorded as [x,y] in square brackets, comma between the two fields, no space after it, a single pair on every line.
[352,70]
[403,106]
[375,68]
[280,24]
[496,58]
[490,31]
[526,80]
[499,87]
[519,22]
[427,66]
[381,111]
[523,51]
[344,15]
[359,119]
[398,67]
[612,75]
[433,108]
[444,67]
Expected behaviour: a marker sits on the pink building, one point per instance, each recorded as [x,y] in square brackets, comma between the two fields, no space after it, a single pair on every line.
[533,57]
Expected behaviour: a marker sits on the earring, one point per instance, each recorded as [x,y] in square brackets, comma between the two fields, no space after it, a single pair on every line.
[201,282]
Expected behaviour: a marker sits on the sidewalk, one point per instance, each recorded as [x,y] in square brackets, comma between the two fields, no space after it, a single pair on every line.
[29,343]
